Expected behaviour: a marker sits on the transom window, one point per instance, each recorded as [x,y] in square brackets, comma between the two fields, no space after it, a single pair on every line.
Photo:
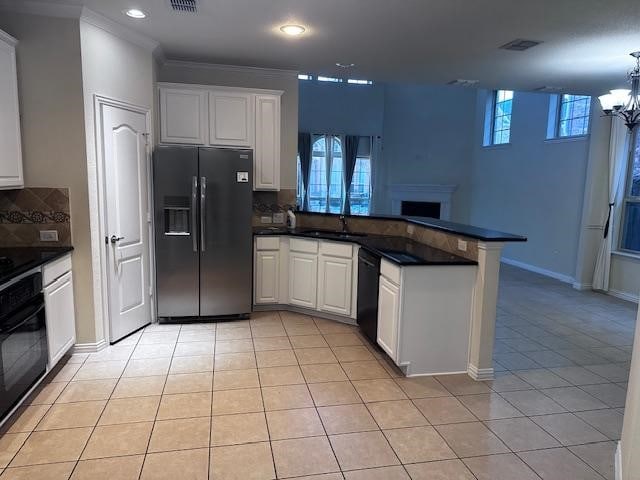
[501,125]
[630,234]
[573,115]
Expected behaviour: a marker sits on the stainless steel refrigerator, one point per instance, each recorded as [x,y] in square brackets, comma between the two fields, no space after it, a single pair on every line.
[203,210]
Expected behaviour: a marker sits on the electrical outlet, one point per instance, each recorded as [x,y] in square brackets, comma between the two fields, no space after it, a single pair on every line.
[410,229]
[266,219]
[48,235]
[278,217]
[462,245]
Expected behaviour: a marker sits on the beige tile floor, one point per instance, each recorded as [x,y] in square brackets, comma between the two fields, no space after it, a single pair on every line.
[290,396]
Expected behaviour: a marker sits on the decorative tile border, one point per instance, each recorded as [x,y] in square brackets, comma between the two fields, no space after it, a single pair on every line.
[23,213]
[16,217]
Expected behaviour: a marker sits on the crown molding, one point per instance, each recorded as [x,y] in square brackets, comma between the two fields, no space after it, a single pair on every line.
[34,7]
[267,72]
[84,14]
[6,38]
[100,21]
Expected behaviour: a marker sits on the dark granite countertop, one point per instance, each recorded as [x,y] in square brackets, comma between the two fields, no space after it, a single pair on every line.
[399,250]
[17,260]
[470,231]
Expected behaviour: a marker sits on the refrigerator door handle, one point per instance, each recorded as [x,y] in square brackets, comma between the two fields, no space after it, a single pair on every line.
[203,216]
[194,213]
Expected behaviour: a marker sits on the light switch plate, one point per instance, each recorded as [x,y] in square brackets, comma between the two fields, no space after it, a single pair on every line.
[48,235]
[462,245]
[278,217]
[266,219]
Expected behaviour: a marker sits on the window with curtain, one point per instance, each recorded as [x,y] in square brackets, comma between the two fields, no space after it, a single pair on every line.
[630,234]
[326,182]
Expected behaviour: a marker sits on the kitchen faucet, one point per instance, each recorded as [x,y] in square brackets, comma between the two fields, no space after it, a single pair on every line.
[343,220]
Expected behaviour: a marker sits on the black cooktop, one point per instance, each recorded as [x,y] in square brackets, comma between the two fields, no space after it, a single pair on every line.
[15,261]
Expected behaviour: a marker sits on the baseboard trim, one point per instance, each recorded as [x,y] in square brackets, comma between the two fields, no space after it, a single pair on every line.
[582,286]
[542,271]
[304,311]
[90,347]
[623,295]
[480,374]
[618,462]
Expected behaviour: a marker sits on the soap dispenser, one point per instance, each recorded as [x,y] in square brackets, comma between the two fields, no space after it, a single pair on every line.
[291,220]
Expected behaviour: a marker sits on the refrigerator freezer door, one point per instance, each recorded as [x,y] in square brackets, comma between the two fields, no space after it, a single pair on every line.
[226,253]
[175,177]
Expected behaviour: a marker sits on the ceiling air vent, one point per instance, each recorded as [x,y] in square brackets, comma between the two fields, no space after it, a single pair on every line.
[461,82]
[549,89]
[520,45]
[183,6]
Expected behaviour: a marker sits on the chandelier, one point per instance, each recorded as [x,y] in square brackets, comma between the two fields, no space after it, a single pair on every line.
[624,103]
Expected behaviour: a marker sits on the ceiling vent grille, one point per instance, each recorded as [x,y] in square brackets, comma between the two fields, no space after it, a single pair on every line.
[520,45]
[183,6]
[461,82]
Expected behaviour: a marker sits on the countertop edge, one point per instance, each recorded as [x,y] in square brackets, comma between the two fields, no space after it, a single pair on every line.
[469,231]
[462,262]
[59,252]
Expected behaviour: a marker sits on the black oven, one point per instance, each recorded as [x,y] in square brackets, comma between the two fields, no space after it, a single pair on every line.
[23,339]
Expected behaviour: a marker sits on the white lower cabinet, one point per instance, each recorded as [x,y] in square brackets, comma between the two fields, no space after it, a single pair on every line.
[313,274]
[334,287]
[303,279]
[60,310]
[267,277]
[388,316]
[424,316]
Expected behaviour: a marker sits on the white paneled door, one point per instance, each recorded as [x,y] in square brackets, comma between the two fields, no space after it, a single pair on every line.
[126,230]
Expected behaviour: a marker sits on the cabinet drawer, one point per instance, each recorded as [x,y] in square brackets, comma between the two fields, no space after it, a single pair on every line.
[267,243]
[390,271]
[55,269]
[304,246]
[336,249]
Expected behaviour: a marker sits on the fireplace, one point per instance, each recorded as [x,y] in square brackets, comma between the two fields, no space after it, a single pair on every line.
[420,209]
[422,200]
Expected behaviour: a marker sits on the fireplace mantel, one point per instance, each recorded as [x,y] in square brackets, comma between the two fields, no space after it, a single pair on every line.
[422,193]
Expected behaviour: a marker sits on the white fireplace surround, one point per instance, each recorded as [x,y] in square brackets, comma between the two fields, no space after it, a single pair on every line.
[422,193]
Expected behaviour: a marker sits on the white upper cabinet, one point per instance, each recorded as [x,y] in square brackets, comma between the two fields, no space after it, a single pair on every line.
[231,117]
[183,116]
[267,149]
[10,141]
[226,117]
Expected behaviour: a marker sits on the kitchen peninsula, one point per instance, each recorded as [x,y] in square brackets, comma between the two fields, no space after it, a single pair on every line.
[438,283]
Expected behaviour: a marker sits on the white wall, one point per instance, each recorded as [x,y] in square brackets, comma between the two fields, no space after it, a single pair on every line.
[341,108]
[121,70]
[427,139]
[420,127]
[531,187]
[52,120]
[208,74]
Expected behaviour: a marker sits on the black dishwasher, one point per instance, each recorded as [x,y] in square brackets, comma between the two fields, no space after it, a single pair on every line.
[368,280]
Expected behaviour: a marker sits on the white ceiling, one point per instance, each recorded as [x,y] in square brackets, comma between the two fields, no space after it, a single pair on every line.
[585,49]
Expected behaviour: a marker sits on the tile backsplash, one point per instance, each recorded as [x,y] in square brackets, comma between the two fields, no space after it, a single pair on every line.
[24,213]
[268,203]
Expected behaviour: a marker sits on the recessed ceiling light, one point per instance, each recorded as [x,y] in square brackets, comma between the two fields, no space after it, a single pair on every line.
[135,13]
[345,65]
[292,30]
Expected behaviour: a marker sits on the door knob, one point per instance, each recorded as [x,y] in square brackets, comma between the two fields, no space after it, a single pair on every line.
[115,239]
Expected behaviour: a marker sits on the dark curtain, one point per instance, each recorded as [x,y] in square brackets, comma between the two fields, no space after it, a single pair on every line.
[304,151]
[349,155]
